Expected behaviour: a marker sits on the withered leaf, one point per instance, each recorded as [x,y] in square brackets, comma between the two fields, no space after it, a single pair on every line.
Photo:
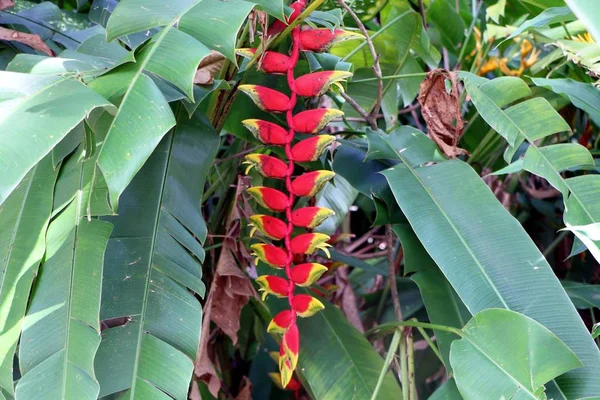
[209,68]
[29,39]
[440,107]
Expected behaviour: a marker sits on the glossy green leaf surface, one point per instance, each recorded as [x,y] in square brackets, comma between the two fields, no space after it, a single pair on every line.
[444,307]
[582,95]
[587,12]
[153,261]
[583,295]
[550,16]
[516,126]
[489,259]
[349,368]
[37,112]
[488,360]
[61,331]
[24,217]
[338,197]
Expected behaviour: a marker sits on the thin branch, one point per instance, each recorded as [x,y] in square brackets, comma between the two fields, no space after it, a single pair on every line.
[356,106]
[422,11]
[238,155]
[389,237]
[372,119]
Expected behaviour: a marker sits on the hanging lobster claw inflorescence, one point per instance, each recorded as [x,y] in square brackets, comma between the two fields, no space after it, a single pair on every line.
[280,228]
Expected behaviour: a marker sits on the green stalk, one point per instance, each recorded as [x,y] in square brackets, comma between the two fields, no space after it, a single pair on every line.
[373,36]
[404,365]
[390,77]
[412,323]
[411,364]
[430,343]
[388,360]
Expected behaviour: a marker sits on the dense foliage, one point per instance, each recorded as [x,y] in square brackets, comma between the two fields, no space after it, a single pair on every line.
[425,184]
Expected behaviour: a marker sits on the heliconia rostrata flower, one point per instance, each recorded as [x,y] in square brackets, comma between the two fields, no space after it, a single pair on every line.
[289,254]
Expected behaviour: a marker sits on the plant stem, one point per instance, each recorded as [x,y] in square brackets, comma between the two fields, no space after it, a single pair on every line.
[373,36]
[389,238]
[561,236]
[390,77]
[386,364]
[403,365]
[372,119]
[411,364]
[468,35]
[432,345]
[413,323]
[593,324]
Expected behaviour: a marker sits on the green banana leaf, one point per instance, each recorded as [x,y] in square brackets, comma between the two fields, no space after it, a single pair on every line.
[154,256]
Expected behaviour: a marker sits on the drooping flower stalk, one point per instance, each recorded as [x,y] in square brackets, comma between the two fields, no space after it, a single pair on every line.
[306,184]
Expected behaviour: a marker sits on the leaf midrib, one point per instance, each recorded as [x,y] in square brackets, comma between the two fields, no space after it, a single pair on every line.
[17,229]
[454,228]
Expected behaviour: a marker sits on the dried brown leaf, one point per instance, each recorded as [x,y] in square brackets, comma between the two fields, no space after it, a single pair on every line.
[440,107]
[209,68]
[29,39]
[6,3]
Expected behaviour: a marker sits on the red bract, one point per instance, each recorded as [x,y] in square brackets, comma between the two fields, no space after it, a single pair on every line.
[266,98]
[319,40]
[270,255]
[310,183]
[281,322]
[311,149]
[305,305]
[267,132]
[318,83]
[307,274]
[310,217]
[270,62]
[271,227]
[269,198]
[267,166]
[313,121]
[308,243]
[274,285]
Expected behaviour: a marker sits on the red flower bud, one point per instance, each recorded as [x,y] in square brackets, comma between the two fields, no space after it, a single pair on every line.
[318,40]
[308,243]
[270,62]
[311,149]
[266,98]
[269,254]
[281,322]
[310,183]
[271,227]
[307,274]
[267,166]
[318,83]
[269,198]
[278,26]
[310,217]
[313,121]
[274,285]
[267,132]
[306,306]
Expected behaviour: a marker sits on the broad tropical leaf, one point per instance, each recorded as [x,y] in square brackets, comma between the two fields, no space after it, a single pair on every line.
[37,112]
[348,368]
[586,11]
[153,258]
[444,307]
[61,331]
[489,259]
[488,360]
[583,295]
[550,16]
[515,124]
[24,217]
[338,197]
